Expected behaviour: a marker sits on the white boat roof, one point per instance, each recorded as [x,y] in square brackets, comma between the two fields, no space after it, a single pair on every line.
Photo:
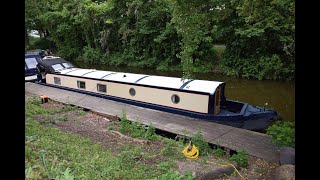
[143,79]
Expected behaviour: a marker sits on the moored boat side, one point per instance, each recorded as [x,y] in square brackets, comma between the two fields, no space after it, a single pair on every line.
[194,98]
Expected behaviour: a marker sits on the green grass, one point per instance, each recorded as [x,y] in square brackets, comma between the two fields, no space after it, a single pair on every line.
[135,129]
[53,154]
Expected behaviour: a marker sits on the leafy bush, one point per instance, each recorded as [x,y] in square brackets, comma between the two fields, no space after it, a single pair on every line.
[282,133]
[260,66]
[241,158]
[38,43]
[199,141]
[218,152]
[91,55]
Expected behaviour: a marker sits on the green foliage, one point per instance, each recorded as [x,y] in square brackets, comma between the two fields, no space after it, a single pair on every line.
[241,157]
[199,141]
[32,107]
[170,174]
[38,43]
[282,133]
[261,68]
[259,38]
[150,134]
[91,55]
[168,150]
[57,154]
[135,129]
[170,35]
[63,118]
[219,152]
[188,175]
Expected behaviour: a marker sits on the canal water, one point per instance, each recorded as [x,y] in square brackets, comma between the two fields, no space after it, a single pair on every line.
[277,95]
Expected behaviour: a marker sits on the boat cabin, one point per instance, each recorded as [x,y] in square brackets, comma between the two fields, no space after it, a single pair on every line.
[52,64]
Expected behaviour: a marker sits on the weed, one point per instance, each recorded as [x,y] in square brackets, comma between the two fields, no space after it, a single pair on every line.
[136,129]
[188,175]
[282,133]
[151,134]
[69,107]
[170,174]
[63,118]
[241,158]
[199,141]
[168,150]
[219,152]
[82,113]
[183,139]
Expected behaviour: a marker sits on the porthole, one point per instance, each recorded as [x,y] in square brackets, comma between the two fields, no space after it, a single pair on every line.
[175,99]
[132,92]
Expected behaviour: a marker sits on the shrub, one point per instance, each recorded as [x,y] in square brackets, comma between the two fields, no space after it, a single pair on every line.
[199,141]
[241,158]
[282,133]
[91,55]
[218,152]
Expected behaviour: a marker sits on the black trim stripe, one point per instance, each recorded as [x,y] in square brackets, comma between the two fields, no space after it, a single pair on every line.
[184,84]
[71,71]
[88,72]
[142,85]
[106,75]
[141,78]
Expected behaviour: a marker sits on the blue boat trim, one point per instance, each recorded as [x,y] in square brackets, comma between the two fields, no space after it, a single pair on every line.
[184,84]
[141,79]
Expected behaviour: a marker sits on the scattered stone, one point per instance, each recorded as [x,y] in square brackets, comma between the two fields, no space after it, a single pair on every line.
[287,156]
[219,172]
[285,172]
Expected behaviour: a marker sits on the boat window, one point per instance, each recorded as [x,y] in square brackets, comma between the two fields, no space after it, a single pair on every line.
[175,99]
[132,92]
[67,65]
[81,84]
[101,88]
[31,62]
[57,67]
[57,80]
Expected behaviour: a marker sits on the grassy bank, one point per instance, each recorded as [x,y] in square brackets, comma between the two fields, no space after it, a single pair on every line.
[52,153]
[66,142]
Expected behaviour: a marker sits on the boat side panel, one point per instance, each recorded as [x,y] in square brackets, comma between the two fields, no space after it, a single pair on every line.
[188,101]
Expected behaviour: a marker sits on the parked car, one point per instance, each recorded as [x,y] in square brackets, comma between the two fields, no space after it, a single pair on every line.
[30,66]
